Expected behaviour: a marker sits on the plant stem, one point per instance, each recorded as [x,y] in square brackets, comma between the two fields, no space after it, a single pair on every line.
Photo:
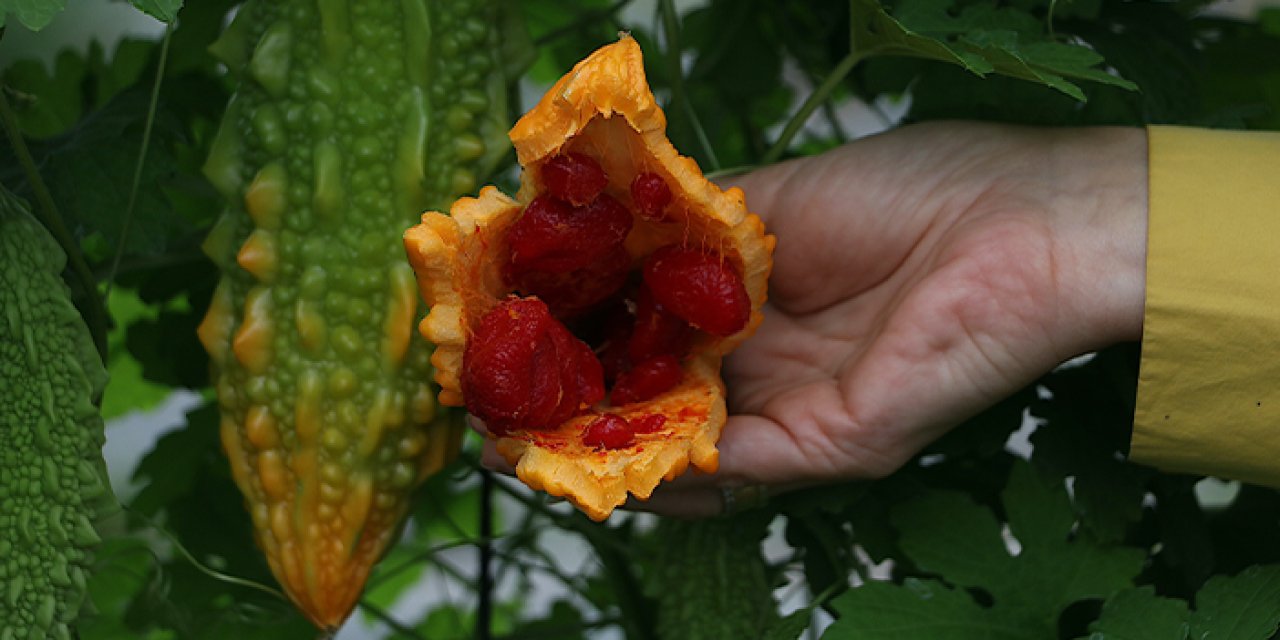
[416,560]
[199,566]
[814,100]
[679,97]
[142,158]
[484,608]
[95,314]
[386,619]
[833,118]
[581,22]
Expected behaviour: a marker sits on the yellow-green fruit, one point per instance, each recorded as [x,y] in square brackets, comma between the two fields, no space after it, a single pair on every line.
[336,140]
[52,478]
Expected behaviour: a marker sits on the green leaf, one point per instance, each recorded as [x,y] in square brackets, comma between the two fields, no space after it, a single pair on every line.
[790,626]
[872,30]
[33,14]
[1269,20]
[162,10]
[1241,607]
[128,388]
[1038,510]
[90,169]
[1084,434]
[444,510]
[981,38]
[172,467]
[920,610]
[827,548]
[46,104]
[1245,606]
[1139,614]
[945,533]
[564,621]
[563,37]
[122,570]
[187,486]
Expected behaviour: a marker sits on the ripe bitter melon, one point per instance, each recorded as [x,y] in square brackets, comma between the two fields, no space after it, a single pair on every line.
[350,118]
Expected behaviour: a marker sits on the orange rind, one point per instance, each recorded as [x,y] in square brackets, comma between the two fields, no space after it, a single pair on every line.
[602,108]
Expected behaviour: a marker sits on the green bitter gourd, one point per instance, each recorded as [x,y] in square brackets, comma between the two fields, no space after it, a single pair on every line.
[53,483]
[349,120]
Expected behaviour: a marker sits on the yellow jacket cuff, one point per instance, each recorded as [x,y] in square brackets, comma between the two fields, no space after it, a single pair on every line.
[1209,385]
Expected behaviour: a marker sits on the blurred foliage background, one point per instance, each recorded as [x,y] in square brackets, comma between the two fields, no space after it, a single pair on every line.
[1026,522]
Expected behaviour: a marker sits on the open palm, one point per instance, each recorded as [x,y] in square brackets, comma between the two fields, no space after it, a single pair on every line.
[921,276]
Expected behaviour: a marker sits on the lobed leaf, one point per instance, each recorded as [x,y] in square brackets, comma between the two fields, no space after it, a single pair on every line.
[946,533]
[920,610]
[162,10]
[1241,607]
[33,14]
[1139,614]
[981,38]
[1245,606]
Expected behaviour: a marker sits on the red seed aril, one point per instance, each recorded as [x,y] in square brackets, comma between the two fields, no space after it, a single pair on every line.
[554,237]
[658,332]
[613,350]
[651,195]
[571,293]
[647,423]
[503,365]
[522,369]
[590,375]
[574,177]
[646,380]
[609,431]
[703,288]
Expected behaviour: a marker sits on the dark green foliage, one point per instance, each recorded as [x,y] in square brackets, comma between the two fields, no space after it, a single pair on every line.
[1227,607]
[36,14]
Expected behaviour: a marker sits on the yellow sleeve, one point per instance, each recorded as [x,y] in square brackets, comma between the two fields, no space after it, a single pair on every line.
[1209,385]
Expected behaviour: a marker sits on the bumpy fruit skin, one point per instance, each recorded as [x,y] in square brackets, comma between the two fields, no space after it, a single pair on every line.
[52,477]
[350,118]
[602,108]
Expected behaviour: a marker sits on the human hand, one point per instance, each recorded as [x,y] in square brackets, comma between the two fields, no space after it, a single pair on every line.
[921,276]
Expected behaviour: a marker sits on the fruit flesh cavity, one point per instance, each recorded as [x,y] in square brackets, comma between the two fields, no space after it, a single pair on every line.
[567,252]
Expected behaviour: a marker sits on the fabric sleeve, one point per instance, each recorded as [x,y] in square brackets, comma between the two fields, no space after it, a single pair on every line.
[1209,384]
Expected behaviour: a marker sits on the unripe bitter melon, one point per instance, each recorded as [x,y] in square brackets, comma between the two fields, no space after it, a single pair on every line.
[52,478]
[349,120]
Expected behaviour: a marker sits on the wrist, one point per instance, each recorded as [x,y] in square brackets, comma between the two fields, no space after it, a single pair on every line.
[1100,216]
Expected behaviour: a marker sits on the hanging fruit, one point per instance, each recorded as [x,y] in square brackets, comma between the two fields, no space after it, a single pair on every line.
[325,153]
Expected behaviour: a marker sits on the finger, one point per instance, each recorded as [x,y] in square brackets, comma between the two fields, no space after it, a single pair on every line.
[757,450]
[702,502]
[477,425]
[493,461]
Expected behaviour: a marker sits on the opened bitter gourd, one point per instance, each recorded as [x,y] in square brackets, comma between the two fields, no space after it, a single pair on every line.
[52,477]
[350,119]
